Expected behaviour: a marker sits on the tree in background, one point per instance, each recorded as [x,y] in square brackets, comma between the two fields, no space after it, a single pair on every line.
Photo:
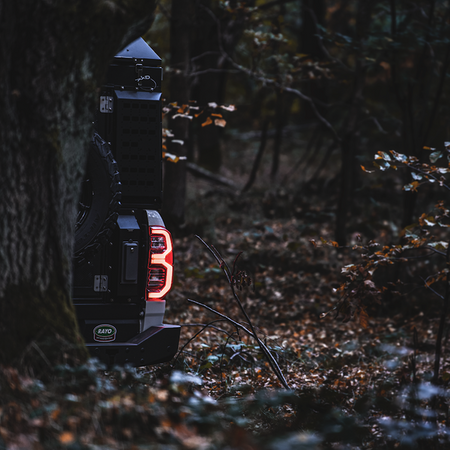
[216,32]
[181,17]
[54,56]
[352,76]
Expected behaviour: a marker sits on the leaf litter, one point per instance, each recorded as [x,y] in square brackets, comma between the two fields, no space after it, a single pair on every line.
[353,381]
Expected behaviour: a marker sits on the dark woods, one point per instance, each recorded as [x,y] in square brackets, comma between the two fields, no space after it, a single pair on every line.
[349,77]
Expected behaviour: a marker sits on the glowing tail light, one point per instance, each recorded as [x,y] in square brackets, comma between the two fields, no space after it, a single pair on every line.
[160,263]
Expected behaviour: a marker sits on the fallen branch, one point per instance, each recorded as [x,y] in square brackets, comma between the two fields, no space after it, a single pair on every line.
[271,360]
[204,326]
[232,282]
[200,172]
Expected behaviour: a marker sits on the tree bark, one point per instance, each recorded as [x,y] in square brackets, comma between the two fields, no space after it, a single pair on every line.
[215,32]
[175,174]
[313,16]
[350,131]
[48,90]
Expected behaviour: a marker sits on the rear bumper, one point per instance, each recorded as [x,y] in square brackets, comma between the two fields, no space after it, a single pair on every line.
[152,346]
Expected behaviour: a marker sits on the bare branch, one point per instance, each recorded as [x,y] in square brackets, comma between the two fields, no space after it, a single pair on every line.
[324,49]
[203,72]
[269,5]
[206,174]
[196,334]
[270,82]
[273,364]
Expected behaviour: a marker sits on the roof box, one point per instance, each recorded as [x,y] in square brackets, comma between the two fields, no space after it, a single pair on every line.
[138,51]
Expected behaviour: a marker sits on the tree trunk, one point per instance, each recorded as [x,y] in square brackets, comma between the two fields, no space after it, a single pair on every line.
[313,16]
[48,90]
[215,32]
[207,87]
[175,174]
[350,133]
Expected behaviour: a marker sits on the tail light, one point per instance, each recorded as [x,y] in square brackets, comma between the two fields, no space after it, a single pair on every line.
[160,263]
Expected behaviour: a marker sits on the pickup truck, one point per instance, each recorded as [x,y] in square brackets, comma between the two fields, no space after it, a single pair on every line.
[123,254]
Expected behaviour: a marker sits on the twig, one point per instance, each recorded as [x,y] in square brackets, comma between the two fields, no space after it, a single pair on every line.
[200,172]
[41,353]
[270,82]
[206,325]
[193,337]
[272,362]
[257,161]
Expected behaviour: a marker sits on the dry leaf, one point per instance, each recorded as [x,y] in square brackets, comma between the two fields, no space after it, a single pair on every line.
[228,108]
[220,122]
[208,121]
[66,437]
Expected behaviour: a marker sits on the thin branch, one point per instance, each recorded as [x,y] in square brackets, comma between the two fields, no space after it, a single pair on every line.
[41,353]
[201,172]
[207,53]
[426,174]
[203,72]
[195,335]
[313,147]
[217,257]
[433,250]
[262,146]
[377,124]
[269,82]
[322,164]
[432,290]
[273,364]
[323,48]
[207,325]
[269,5]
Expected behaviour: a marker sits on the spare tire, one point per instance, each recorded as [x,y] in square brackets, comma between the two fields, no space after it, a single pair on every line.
[99,201]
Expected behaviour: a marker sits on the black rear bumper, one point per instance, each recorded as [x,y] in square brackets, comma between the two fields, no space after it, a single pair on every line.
[153,346]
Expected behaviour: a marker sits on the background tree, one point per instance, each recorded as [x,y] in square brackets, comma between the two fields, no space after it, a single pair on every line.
[54,56]
[216,32]
[181,16]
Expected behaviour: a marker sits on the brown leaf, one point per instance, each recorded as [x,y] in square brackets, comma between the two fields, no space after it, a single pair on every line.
[363,318]
[208,121]
[66,437]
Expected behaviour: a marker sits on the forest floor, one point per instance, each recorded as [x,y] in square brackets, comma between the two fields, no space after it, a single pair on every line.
[354,384]
[292,298]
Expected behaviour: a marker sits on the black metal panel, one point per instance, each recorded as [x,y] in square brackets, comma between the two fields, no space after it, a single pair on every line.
[84,277]
[153,346]
[129,233]
[126,329]
[107,311]
[137,147]
[129,77]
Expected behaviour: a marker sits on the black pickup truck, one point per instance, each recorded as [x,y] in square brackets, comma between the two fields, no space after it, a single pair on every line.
[123,254]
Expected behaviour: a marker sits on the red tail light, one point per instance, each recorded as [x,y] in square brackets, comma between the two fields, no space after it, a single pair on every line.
[160,263]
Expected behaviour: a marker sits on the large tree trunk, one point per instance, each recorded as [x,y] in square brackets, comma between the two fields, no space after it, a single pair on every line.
[48,85]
